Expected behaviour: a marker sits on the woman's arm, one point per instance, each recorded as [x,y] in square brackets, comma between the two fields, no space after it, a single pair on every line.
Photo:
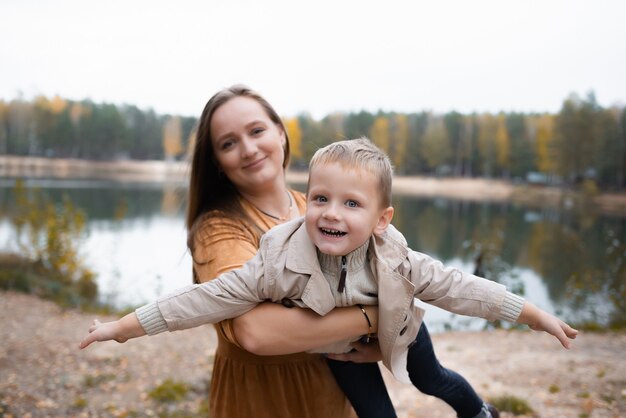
[273,329]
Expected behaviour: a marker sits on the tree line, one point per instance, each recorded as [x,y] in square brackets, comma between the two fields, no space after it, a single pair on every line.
[582,142]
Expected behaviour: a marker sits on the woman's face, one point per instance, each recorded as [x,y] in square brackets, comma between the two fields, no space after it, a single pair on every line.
[248,145]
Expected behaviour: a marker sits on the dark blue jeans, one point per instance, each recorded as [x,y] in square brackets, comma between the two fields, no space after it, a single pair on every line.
[364,386]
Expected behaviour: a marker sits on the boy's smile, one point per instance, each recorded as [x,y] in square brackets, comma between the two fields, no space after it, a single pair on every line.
[343,208]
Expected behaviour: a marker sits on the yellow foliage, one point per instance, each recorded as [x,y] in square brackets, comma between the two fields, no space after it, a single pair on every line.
[48,233]
[487,127]
[544,137]
[379,133]
[400,139]
[191,142]
[172,137]
[295,137]
[436,142]
[503,143]
[42,102]
[76,112]
[57,105]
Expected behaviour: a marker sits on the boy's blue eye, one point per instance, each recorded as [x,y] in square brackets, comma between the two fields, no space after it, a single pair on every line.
[320,199]
[352,203]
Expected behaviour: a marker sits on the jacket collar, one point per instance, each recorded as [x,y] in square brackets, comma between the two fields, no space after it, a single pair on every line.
[389,247]
[301,252]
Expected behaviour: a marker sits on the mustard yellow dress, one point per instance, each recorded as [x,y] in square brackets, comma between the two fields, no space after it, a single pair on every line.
[243,384]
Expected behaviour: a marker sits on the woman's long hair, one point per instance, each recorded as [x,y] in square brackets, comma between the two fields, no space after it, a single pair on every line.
[208,188]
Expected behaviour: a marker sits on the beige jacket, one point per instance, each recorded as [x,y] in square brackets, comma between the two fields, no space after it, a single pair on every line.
[286,266]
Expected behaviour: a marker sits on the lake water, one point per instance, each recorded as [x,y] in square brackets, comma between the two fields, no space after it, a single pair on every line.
[571,263]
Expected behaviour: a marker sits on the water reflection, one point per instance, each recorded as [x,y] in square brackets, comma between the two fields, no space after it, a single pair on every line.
[580,257]
[570,263]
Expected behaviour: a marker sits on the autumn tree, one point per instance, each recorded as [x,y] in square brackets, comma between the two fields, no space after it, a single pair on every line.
[379,133]
[313,135]
[399,137]
[191,143]
[609,155]
[4,135]
[436,144]
[172,137]
[522,155]
[503,146]
[487,128]
[576,134]
[414,160]
[295,137]
[467,146]
[454,128]
[544,143]
[76,112]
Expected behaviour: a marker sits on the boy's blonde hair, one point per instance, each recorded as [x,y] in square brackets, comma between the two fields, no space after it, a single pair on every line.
[358,154]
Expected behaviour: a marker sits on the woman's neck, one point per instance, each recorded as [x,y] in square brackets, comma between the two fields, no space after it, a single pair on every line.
[275,201]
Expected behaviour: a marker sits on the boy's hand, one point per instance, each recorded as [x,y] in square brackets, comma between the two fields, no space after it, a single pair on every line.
[362,353]
[540,320]
[121,330]
[99,331]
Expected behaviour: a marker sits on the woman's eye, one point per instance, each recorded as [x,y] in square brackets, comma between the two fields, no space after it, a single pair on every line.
[226,144]
[257,131]
[352,203]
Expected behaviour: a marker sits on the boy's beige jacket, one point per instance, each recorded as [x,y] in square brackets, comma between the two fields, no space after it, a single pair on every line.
[286,266]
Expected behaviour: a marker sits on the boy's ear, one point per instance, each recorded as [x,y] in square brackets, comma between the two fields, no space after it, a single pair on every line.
[384,220]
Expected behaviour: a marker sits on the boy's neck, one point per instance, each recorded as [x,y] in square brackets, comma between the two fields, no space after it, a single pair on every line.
[349,252]
[321,254]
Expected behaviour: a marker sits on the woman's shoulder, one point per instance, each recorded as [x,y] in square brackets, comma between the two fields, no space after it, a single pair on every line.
[216,225]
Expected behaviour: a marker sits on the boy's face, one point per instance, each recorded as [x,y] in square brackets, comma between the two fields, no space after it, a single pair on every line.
[343,208]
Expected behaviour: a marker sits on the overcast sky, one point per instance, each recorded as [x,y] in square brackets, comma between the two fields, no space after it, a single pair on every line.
[317,56]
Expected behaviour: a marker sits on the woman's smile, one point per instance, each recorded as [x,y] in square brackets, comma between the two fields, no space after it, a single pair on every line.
[256,164]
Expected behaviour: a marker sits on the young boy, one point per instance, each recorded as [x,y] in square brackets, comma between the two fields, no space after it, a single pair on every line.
[344,252]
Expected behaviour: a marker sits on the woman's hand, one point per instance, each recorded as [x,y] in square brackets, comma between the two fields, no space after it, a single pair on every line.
[362,353]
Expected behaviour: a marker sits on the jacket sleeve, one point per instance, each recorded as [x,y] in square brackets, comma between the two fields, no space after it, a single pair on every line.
[460,292]
[227,296]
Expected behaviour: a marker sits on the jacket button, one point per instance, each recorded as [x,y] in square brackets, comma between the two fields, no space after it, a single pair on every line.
[287,303]
[402,331]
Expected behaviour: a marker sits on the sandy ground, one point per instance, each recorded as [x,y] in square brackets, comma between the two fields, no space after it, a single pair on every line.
[43,374]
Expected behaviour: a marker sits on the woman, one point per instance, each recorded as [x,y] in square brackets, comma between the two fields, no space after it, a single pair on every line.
[237,192]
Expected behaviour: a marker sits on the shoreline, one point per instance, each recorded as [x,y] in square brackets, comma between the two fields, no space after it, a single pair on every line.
[469,189]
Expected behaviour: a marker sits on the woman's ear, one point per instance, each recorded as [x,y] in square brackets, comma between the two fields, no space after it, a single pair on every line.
[384,220]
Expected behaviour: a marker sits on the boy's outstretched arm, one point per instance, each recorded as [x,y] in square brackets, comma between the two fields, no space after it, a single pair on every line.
[121,330]
[540,320]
